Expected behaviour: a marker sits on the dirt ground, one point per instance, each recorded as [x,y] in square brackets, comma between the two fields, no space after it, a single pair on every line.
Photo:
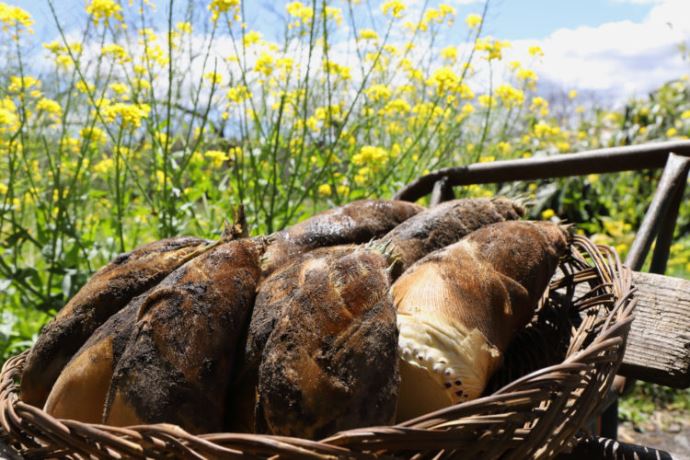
[664,430]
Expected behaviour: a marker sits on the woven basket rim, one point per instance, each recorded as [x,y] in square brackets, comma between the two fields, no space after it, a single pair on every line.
[31,430]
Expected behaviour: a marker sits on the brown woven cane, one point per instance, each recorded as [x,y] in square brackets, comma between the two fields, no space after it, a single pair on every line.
[559,368]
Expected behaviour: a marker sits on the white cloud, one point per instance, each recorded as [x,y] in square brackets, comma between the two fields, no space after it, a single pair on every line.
[639,2]
[618,59]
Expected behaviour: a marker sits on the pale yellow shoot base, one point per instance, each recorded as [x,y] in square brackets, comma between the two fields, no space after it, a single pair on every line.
[441,364]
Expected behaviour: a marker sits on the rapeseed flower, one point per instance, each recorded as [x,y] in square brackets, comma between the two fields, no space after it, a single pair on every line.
[369,155]
[94,135]
[509,95]
[184,27]
[218,7]
[116,51]
[393,8]
[473,20]
[535,50]
[378,93]
[368,34]
[50,107]
[130,115]
[264,64]
[216,157]
[104,10]
[492,47]
[300,11]
[13,17]
[449,53]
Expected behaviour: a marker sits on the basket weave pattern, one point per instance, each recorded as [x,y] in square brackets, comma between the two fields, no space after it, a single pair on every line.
[586,314]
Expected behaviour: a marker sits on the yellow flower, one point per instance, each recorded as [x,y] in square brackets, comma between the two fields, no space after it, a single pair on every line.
[217,157]
[369,155]
[334,14]
[548,214]
[213,77]
[378,92]
[486,100]
[444,78]
[95,135]
[63,61]
[13,17]
[504,148]
[368,34]
[526,74]
[20,84]
[397,106]
[252,37]
[325,190]
[8,114]
[487,159]
[264,64]
[394,8]
[130,115]
[541,105]
[535,50]
[492,47]
[300,11]
[473,20]
[218,7]
[3,188]
[670,132]
[685,115]
[572,94]
[104,166]
[120,89]
[50,107]
[593,178]
[342,190]
[116,51]
[104,10]
[238,94]
[563,146]
[184,27]
[510,96]
[334,68]
[449,53]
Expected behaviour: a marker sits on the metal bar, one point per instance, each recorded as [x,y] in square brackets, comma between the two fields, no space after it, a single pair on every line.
[628,158]
[674,176]
[664,238]
[442,191]
[595,448]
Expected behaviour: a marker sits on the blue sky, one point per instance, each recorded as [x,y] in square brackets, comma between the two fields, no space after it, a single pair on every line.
[613,48]
[510,19]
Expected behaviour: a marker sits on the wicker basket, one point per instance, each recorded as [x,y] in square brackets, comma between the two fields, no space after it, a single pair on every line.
[559,368]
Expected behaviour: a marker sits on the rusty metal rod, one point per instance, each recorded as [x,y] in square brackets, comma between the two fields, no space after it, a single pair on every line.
[442,191]
[674,176]
[664,237]
[616,159]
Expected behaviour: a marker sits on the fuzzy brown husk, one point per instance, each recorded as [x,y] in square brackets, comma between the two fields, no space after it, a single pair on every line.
[491,281]
[331,362]
[178,362]
[415,237]
[356,222]
[110,289]
[445,224]
[271,301]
